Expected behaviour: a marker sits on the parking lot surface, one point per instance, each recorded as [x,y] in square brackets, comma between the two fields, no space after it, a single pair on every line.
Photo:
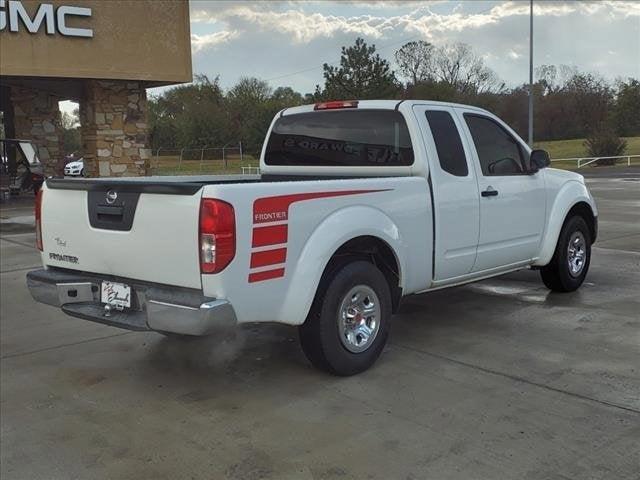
[498,379]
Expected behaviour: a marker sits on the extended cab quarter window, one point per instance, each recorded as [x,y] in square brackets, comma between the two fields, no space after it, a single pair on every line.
[499,153]
[344,138]
[448,144]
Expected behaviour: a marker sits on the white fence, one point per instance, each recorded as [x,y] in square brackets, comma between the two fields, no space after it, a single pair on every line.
[230,158]
[200,153]
[584,161]
[248,170]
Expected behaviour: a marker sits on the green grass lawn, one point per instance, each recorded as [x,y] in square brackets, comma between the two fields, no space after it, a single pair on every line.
[575,148]
[171,165]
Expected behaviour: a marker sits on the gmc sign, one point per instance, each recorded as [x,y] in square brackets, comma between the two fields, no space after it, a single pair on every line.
[13,13]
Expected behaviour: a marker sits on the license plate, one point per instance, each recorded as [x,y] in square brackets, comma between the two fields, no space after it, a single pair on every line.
[116,294]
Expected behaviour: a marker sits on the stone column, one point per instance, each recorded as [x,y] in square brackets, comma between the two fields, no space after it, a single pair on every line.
[114,129]
[36,116]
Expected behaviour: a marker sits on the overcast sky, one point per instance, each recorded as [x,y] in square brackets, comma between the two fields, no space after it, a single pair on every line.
[276,40]
[287,42]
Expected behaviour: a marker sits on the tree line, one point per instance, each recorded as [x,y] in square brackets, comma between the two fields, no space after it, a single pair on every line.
[568,103]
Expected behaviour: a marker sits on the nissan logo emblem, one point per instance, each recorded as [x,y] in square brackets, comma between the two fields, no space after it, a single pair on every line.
[111,197]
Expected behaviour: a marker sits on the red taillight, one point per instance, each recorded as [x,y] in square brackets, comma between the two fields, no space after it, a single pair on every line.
[38,214]
[334,105]
[217,235]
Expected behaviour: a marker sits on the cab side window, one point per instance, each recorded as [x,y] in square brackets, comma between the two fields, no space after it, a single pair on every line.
[499,153]
[448,144]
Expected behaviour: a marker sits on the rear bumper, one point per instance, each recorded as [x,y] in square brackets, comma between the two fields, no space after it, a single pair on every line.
[153,307]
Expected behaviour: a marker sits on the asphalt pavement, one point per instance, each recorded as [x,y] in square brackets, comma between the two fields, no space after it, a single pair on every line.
[498,379]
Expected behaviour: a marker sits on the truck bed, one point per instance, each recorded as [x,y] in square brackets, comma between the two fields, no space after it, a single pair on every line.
[147,228]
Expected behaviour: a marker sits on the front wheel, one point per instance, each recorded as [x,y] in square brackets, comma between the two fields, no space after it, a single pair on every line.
[349,321]
[570,263]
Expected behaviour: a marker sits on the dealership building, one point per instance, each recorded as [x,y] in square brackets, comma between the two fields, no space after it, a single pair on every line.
[102,54]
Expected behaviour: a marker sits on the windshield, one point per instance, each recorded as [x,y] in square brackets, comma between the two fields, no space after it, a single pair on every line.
[344,138]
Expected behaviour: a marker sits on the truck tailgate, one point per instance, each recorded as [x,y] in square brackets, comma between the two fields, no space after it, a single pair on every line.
[116,230]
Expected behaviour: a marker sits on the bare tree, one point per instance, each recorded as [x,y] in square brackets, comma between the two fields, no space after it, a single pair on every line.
[553,79]
[250,89]
[546,76]
[415,61]
[71,120]
[457,65]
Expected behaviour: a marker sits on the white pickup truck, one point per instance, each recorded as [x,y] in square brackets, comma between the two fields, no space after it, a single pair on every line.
[358,204]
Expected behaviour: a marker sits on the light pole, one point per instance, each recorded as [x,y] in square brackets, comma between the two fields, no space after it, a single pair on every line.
[531,73]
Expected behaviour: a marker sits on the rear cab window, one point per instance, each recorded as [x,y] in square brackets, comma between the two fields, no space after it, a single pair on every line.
[448,144]
[346,138]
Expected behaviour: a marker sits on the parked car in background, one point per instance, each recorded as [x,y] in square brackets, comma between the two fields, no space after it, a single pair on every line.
[21,169]
[358,204]
[75,167]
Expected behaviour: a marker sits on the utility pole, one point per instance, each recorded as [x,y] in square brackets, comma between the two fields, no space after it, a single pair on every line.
[531,73]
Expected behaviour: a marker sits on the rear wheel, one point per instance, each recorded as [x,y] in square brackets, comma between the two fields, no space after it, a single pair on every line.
[570,263]
[348,325]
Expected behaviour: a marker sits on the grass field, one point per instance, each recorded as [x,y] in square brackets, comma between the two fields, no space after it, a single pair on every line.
[171,164]
[575,148]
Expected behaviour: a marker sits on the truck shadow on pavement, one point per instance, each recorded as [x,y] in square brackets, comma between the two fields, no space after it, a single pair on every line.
[264,349]
[253,347]
[510,325]
[422,319]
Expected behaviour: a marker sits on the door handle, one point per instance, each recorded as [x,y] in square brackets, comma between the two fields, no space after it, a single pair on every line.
[489,192]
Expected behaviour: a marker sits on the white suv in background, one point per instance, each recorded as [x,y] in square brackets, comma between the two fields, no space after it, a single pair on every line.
[75,168]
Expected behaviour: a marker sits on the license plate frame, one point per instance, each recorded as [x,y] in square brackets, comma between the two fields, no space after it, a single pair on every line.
[115,294]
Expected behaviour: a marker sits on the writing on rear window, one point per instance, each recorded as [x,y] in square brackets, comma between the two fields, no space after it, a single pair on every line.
[340,138]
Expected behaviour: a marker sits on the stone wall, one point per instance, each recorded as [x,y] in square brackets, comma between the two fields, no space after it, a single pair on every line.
[37,118]
[114,130]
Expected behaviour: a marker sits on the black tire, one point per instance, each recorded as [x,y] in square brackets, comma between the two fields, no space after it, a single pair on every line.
[557,275]
[320,334]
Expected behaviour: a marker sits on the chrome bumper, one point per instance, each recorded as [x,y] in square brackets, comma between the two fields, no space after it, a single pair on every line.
[203,320]
[154,307]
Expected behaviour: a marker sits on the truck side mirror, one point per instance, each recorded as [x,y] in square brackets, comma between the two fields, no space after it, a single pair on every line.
[539,159]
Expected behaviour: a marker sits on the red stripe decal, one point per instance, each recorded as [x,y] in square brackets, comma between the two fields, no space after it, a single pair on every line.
[274,235]
[274,209]
[268,257]
[267,275]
